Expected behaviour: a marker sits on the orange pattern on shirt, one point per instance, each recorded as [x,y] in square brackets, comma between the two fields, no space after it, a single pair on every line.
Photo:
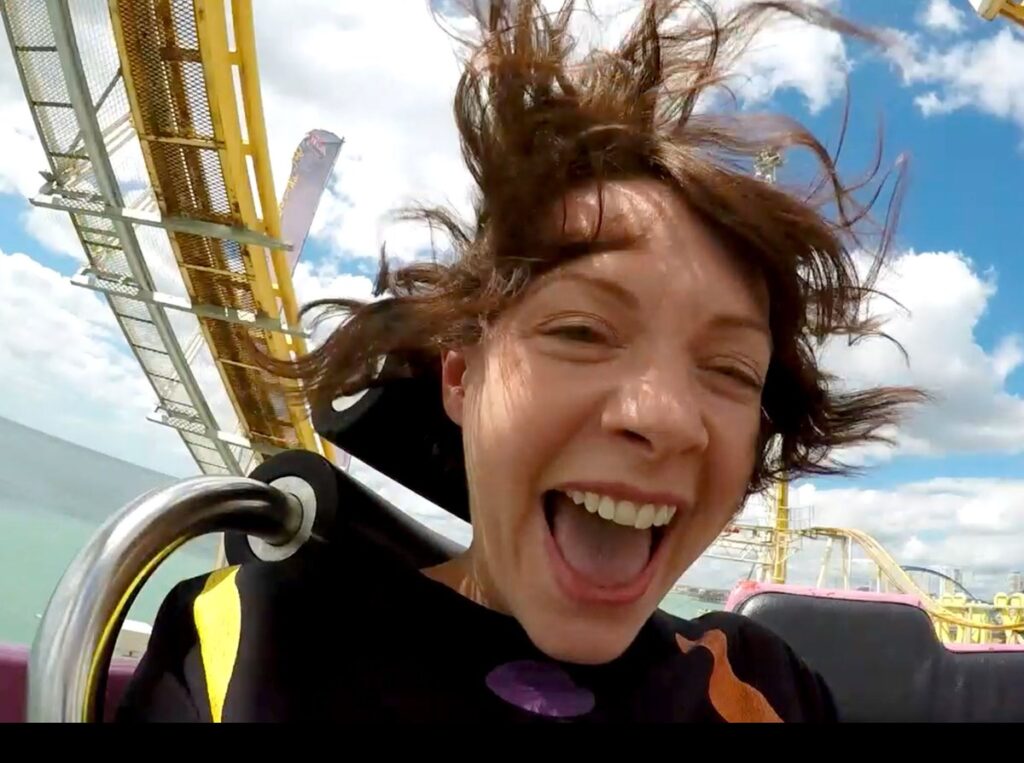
[735,700]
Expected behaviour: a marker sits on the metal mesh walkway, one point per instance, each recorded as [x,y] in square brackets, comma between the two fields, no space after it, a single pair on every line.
[191,138]
[150,116]
[81,117]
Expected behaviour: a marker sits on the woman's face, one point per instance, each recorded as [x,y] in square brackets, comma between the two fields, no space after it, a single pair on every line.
[610,421]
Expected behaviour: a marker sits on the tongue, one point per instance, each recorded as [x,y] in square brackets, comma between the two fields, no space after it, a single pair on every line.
[605,553]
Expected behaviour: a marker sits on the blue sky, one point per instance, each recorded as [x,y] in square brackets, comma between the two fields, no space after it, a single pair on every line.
[964,166]
[951,100]
[963,195]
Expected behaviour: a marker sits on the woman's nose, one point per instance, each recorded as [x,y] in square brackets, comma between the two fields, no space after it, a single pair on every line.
[659,411]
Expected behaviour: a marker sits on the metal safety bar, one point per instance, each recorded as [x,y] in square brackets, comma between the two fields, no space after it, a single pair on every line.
[74,644]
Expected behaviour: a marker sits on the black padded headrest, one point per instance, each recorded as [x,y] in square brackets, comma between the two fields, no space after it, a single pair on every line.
[884,662]
[347,511]
[402,430]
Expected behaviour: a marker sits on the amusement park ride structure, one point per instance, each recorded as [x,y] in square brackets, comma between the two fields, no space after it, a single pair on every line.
[151,119]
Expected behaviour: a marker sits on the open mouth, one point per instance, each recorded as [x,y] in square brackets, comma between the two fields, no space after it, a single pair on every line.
[622,513]
[604,549]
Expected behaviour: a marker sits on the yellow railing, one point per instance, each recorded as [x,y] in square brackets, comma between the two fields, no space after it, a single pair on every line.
[220,64]
[1008,609]
[955,619]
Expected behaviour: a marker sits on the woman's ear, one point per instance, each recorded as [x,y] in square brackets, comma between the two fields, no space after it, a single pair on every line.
[453,380]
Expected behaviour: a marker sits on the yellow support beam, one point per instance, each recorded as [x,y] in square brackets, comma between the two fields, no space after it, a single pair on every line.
[780,539]
[211,21]
[245,55]
[993,9]
[245,41]
[1014,13]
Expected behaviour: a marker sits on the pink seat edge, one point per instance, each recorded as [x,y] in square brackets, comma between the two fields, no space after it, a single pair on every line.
[14,675]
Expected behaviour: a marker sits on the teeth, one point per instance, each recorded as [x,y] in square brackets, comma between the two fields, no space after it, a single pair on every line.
[661,516]
[624,513]
[645,517]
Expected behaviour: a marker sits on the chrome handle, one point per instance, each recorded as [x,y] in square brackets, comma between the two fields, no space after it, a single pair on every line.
[74,644]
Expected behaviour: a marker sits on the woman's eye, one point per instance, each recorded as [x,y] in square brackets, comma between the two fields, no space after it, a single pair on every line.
[578,333]
[743,376]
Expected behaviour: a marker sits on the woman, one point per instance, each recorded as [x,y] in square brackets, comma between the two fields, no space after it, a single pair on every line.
[626,339]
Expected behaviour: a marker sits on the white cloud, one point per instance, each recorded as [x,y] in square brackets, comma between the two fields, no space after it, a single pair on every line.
[1008,356]
[323,280]
[972,524]
[795,55]
[23,156]
[389,95]
[944,299]
[314,281]
[53,230]
[982,74]
[389,91]
[67,371]
[942,15]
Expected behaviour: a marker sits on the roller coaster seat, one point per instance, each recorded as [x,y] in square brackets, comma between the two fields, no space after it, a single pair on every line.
[882,659]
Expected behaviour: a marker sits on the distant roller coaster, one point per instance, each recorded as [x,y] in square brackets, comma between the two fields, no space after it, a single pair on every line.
[956,583]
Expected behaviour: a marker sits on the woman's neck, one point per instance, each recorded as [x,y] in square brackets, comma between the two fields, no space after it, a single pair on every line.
[466,576]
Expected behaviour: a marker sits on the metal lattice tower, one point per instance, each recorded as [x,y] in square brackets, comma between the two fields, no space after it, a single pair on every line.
[766,163]
[150,115]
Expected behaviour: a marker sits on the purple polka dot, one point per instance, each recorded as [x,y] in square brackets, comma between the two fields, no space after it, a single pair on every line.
[540,688]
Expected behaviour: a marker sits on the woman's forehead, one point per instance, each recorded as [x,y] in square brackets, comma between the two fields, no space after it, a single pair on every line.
[616,208]
[647,217]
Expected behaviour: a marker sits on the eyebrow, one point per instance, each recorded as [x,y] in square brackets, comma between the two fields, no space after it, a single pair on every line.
[736,321]
[616,291]
[620,293]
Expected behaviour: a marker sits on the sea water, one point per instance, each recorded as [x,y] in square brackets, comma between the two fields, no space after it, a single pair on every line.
[53,496]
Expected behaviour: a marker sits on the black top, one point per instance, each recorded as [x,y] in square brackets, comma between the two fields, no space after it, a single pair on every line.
[291,641]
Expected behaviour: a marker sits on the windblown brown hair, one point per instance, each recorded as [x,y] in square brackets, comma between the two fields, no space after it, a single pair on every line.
[536,122]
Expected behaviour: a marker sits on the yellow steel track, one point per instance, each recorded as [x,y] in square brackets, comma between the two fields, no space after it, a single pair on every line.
[942,614]
[205,146]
